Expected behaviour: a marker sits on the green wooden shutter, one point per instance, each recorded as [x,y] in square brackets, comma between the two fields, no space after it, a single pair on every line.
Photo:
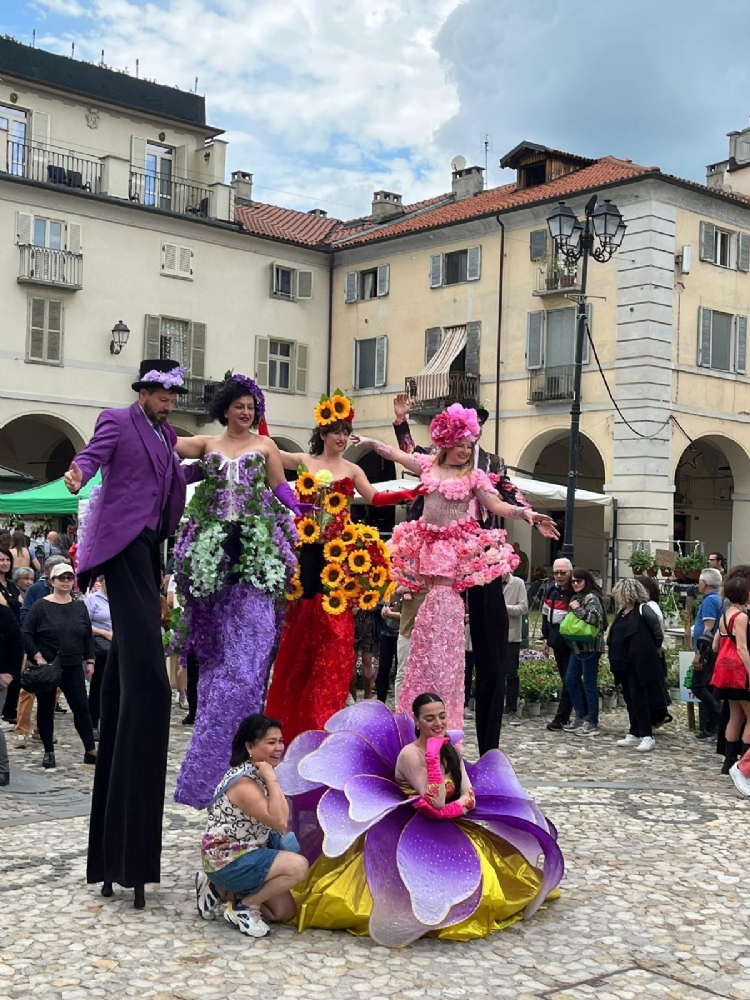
[740,345]
[432,340]
[473,335]
[704,337]
[538,244]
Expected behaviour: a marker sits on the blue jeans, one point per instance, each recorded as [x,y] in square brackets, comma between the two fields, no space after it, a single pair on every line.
[583,670]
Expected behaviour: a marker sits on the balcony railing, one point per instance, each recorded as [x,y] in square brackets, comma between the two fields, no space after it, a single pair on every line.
[460,386]
[42,266]
[172,194]
[48,165]
[547,385]
[199,397]
[556,278]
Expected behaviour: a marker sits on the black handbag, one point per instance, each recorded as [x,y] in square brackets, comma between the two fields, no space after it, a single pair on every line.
[39,678]
[101,646]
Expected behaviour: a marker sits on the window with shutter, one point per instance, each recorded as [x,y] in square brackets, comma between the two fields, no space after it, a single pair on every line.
[185,262]
[45,333]
[37,317]
[138,153]
[54,331]
[538,244]
[304,284]
[351,286]
[740,345]
[261,361]
[281,359]
[743,251]
[300,369]
[436,270]
[432,340]
[283,282]
[473,335]
[381,360]
[24,221]
[369,362]
[197,352]
[74,237]
[384,279]
[707,241]
[721,341]
[704,337]
[169,258]
[535,339]
[152,345]
[473,263]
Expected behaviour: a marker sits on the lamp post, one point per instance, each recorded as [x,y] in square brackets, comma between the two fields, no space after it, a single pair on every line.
[576,241]
[120,334]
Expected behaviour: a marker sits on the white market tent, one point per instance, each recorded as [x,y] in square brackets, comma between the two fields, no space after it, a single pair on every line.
[536,492]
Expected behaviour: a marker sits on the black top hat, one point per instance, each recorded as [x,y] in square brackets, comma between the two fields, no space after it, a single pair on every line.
[472,404]
[163,366]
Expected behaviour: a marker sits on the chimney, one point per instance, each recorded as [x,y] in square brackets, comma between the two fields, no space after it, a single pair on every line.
[242,185]
[733,174]
[319,212]
[386,205]
[467,182]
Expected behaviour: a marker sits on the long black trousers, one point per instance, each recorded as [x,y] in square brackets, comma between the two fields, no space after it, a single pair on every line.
[128,798]
[73,686]
[488,625]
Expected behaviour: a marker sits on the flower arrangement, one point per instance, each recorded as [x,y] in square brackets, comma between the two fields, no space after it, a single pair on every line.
[357,568]
[538,679]
[333,408]
[453,425]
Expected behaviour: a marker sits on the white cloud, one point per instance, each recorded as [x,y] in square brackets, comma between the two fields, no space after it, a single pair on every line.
[68,8]
[333,98]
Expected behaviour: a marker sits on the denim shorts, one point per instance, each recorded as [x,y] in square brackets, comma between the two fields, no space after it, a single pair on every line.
[247,873]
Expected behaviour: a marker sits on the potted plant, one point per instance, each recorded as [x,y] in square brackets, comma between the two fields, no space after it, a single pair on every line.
[693,564]
[680,569]
[672,610]
[642,562]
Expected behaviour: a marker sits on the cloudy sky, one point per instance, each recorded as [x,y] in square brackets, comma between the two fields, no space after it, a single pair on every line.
[328,100]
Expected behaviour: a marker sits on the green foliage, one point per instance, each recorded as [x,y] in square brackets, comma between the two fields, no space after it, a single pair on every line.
[640,561]
[539,680]
[673,667]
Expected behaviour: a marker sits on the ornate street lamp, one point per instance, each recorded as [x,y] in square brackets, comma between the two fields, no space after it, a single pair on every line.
[120,334]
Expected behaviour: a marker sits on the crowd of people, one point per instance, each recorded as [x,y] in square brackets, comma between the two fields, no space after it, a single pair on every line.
[274,592]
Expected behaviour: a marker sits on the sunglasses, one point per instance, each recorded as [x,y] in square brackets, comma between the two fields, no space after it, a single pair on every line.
[560,572]
[66,577]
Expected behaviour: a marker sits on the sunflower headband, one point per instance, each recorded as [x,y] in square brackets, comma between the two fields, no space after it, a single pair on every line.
[333,408]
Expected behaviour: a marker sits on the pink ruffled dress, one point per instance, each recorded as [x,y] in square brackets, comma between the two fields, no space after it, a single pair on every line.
[446,551]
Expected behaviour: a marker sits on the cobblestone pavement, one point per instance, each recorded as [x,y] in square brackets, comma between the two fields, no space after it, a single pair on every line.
[654,899]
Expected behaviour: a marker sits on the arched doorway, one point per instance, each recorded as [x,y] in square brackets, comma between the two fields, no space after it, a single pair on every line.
[40,445]
[712,497]
[545,458]
[377,470]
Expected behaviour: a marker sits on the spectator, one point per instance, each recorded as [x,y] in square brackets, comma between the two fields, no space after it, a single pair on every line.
[367,629]
[587,604]
[516,601]
[732,670]
[409,611]
[554,609]
[522,569]
[41,588]
[97,605]
[634,641]
[716,561]
[11,655]
[10,597]
[59,626]
[178,678]
[23,579]
[22,558]
[706,620]
[659,700]
[391,618]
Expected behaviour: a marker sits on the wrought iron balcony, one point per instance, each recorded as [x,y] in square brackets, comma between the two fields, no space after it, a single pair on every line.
[548,385]
[42,266]
[460,386]
[45,163]
[172,194]
[556,277]
[199,397]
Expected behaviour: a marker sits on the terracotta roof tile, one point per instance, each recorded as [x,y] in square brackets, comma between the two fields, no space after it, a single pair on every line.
[285,224]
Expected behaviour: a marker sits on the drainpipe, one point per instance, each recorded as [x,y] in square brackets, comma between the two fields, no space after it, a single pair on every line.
[499,329]
[330,322]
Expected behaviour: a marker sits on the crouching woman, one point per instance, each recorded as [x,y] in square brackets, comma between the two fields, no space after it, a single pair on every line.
[250,862]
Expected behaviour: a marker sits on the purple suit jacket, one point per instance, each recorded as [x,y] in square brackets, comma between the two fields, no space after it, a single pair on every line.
[134,468]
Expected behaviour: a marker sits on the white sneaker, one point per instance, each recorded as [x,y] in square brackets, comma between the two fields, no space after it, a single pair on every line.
[246,920]
[206,897]
[646,744]
[629,741]
[741,783]
[587,729]
[182,701]
[574,724]
[21,740]
[514,720]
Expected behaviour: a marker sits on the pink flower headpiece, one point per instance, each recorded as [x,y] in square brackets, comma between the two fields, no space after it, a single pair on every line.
[453,425]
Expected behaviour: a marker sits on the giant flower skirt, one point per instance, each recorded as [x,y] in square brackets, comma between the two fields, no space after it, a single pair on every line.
[381,868]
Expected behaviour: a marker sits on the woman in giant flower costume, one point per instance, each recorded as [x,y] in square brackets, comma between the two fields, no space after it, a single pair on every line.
[403,838]
[234,559]
[342,565]
[446,551]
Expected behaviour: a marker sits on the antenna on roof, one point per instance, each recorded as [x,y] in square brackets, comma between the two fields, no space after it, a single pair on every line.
[33,39]
[73,50]
[487,142]
[458,163]
[101,60]
[137,67]
[196,85]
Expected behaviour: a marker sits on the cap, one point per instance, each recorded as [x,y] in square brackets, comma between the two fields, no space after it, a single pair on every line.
[60,569]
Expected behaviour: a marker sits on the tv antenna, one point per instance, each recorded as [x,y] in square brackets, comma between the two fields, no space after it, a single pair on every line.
[458,163]
[486,139]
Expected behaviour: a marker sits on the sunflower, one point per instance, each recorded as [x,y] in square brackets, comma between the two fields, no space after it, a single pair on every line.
[334,502]
[351,588]
[359,561]
[295,591]
[349,534]
[377,577]
[369,599]
[366,533]
[308,530]
[389,590]
[332,575]
[324,413]
[307,484]
[335,602]
[341,406]
[335,550]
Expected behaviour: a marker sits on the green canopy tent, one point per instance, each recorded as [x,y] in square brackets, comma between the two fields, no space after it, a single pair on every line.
[52,498]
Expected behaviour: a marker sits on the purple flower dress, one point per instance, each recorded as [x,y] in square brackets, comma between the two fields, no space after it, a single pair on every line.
[233,560]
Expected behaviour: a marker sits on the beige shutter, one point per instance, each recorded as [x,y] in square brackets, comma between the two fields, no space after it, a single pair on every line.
[351,286]
[706,248]
[40,128]
[273,279]
[304,284]
[180,157]
[473,263]
[743,251]
[197,354]
[705,317]
[381,360]
[436,270]
[152,346]
[137,153]
[740,345]
[54,331]
[473,338]
[384,279]
[37,315]
[74,239]
[24,223]
[300,369]
[169,258]
[535,339]
[184,262]
[261,360]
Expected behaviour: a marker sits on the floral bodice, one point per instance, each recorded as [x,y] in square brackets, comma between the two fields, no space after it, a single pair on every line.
[230,832]
[448,498]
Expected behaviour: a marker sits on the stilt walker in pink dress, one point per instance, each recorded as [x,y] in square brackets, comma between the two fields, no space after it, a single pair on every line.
[446,551]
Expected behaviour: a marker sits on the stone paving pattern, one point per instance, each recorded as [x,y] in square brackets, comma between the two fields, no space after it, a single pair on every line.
[654,899]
